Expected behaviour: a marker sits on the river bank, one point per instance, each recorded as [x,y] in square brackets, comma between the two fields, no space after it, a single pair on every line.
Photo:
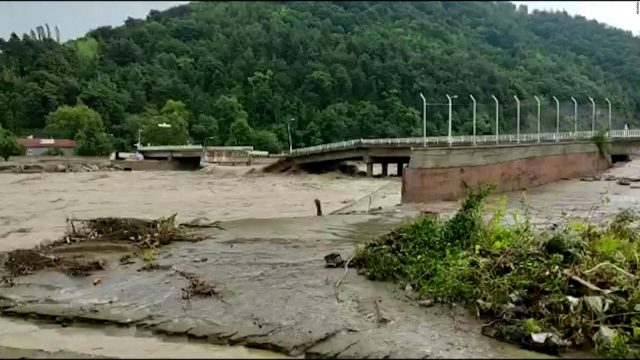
[268,258]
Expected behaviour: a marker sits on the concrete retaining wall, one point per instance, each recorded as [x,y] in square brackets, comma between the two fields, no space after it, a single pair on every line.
[445,174]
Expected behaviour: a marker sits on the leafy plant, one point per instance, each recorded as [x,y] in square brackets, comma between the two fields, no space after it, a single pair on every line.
[566,281]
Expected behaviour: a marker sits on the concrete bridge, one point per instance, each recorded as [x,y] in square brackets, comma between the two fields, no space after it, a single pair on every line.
[441,168]
[398,150]
[178,157]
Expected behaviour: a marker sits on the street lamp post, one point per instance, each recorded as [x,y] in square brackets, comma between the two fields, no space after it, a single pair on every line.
[497,117]
[450,98]
[474,118]
[204,149]
[557,118]
[289,132]
[609,103]
[424,120]
[538,101]
[593,114]
[517,119]
[575,117]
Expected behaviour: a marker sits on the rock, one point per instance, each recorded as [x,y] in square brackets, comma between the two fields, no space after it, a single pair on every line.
[610,178]
[635,186]
[623,182]
[61,168]
[408,289]
[425,303]
[634,179]
[589,178]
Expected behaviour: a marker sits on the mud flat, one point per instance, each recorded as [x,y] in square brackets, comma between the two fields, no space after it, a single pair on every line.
[267,259]
[277,295]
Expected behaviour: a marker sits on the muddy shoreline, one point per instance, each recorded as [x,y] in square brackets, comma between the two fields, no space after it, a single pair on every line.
[273,273]
[268,258]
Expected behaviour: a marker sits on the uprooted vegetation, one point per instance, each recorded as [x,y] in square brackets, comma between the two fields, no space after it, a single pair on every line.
[574,286]
[147,235]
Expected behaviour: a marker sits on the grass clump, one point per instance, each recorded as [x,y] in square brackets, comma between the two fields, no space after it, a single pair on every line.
[573,286]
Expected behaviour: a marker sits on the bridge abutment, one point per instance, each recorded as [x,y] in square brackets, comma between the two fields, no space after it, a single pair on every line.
[446,174]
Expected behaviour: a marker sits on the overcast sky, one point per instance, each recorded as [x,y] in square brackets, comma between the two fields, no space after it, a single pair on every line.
[75,18]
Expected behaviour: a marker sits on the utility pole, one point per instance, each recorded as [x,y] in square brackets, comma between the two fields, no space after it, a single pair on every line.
[557,118]
[517,119]
[474,118]
[593,115]
[575,117]
[609,103]
[424,121]
[450,98]
[289,132]
[497,117]
[538,101]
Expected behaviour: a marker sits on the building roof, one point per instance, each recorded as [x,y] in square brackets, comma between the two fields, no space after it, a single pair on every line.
[48,143]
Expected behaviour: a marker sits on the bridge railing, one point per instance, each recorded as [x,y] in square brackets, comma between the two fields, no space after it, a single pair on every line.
[464,140]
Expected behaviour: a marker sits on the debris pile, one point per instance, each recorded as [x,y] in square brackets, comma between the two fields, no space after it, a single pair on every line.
[148,235]
[198,287]
[574,286]
[145,233]
[23,262]
[41,167]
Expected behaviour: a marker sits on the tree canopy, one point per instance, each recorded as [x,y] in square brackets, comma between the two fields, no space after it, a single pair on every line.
[9,145]
[237,72]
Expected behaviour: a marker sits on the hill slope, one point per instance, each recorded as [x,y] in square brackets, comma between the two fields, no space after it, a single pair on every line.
[342,70]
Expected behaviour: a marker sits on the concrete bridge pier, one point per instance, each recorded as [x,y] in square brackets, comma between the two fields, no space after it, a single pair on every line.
[369,169]
[385,169]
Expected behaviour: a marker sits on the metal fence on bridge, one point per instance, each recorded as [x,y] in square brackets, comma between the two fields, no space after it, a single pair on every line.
[469,140]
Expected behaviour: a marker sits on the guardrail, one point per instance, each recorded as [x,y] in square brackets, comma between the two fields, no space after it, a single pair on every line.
[464,140]
[170,147]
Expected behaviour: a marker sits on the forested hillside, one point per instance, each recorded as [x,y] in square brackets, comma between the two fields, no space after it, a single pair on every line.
[238,71]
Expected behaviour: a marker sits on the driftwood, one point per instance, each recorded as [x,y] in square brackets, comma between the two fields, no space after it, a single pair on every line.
[622,271]
[346,270]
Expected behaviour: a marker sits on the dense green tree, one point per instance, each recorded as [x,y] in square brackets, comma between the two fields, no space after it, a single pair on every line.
[90,141]
[204,126]
[9,145]
[240,133]
[266,141]
[343,70]
[67,121]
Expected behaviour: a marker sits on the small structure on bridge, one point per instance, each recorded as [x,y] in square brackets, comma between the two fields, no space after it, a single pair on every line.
[184,157]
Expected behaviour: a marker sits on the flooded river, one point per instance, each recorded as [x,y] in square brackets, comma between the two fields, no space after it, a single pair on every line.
[282,255]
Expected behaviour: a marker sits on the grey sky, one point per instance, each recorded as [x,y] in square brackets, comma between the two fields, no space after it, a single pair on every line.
[620,14]
[75,18]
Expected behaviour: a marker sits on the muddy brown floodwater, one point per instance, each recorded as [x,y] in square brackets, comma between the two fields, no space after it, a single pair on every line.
[267,258]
